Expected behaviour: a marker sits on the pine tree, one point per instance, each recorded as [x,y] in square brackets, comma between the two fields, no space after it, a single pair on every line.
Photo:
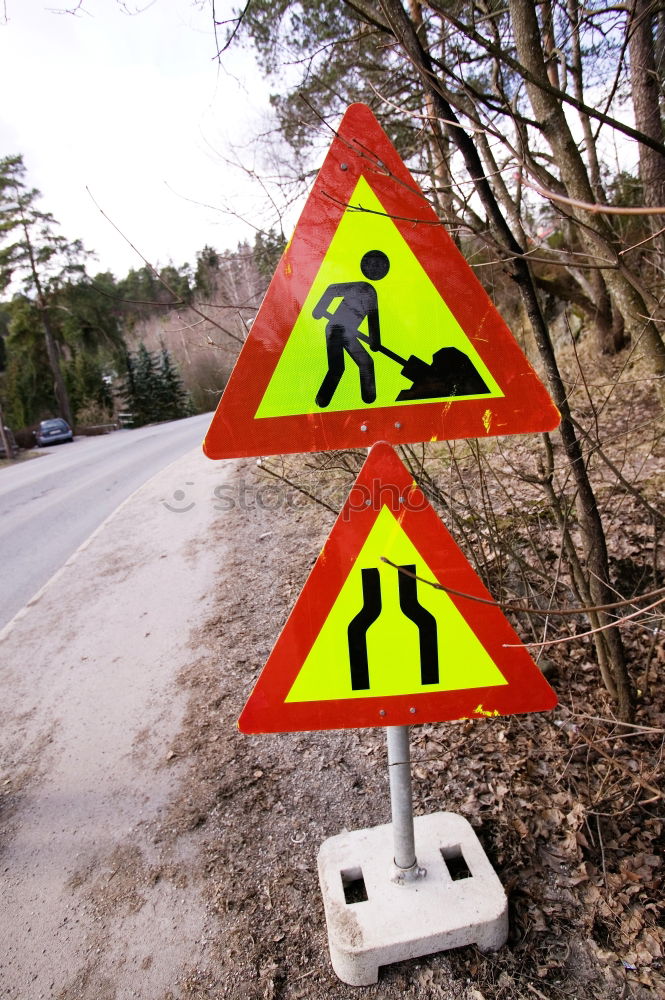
[268,248]
[176,400]
[31,250]
[146,387]
[153,388]
[207,264]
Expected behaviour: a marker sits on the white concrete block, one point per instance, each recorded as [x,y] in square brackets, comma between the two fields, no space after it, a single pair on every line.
[397,922]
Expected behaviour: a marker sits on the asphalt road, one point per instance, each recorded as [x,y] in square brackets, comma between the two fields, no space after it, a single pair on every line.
[51,504]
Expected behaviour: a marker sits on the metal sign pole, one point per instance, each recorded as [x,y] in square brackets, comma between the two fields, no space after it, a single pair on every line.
[401,804]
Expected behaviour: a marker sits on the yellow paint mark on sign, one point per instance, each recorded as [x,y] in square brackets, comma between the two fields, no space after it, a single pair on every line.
[483,711]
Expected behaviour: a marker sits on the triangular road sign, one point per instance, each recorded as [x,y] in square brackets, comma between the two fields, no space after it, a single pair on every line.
[374,327]
[368,644]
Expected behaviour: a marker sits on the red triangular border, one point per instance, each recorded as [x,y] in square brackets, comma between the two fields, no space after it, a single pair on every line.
[383,480]
[361,146]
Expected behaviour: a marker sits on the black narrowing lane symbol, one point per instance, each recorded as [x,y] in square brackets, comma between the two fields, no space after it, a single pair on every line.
[425,623]
[411,608]
[367,615]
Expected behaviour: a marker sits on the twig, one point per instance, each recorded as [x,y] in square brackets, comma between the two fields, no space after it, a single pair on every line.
[151,267]
[508,606]
[588,206]
[616,722]
[238,21]
[659,232]
[621,767]
[602,852]
[386,215]
[615,623]
[295,486]
[619,736]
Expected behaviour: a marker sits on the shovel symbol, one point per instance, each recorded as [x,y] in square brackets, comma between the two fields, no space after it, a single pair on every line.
[451,373]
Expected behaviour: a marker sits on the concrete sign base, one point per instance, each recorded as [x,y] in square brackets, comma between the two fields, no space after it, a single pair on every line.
[374,919]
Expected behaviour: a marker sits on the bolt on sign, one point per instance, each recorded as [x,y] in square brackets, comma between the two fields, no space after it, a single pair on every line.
[374,326]
[393,626]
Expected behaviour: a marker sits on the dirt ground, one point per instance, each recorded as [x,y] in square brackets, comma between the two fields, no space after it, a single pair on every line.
[210,889]
[567,806]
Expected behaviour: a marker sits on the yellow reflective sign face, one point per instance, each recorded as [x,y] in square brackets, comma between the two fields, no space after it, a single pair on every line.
[373,330]
[388,634]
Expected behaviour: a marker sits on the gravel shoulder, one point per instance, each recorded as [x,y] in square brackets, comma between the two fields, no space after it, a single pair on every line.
[91,904]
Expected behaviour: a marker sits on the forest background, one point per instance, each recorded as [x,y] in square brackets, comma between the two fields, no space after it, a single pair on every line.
[89,346]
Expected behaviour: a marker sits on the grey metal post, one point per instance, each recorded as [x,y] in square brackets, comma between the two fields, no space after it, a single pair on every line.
[401,804]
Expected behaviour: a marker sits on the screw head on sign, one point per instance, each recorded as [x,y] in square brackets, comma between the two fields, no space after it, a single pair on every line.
[343,166]
[382,712]
[413,711]
[398,425]
[363,427]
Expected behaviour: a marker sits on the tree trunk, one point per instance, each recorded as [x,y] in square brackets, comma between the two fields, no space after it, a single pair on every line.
[608,322]
[578,85]
[595,231]
[646,102]
[589,516]
[645,93]
[60,389]
[4,437]
[61,394]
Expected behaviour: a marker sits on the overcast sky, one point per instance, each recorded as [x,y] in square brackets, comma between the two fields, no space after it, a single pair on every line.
[136,109]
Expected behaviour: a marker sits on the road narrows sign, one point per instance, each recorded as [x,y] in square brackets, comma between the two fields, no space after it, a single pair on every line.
[371,645]
[374,327]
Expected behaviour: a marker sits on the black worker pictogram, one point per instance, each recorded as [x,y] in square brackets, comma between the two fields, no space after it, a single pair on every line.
[450,373]
[358,303]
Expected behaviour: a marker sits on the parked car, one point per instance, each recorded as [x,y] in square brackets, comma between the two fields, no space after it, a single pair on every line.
[53,432]
[12,442]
